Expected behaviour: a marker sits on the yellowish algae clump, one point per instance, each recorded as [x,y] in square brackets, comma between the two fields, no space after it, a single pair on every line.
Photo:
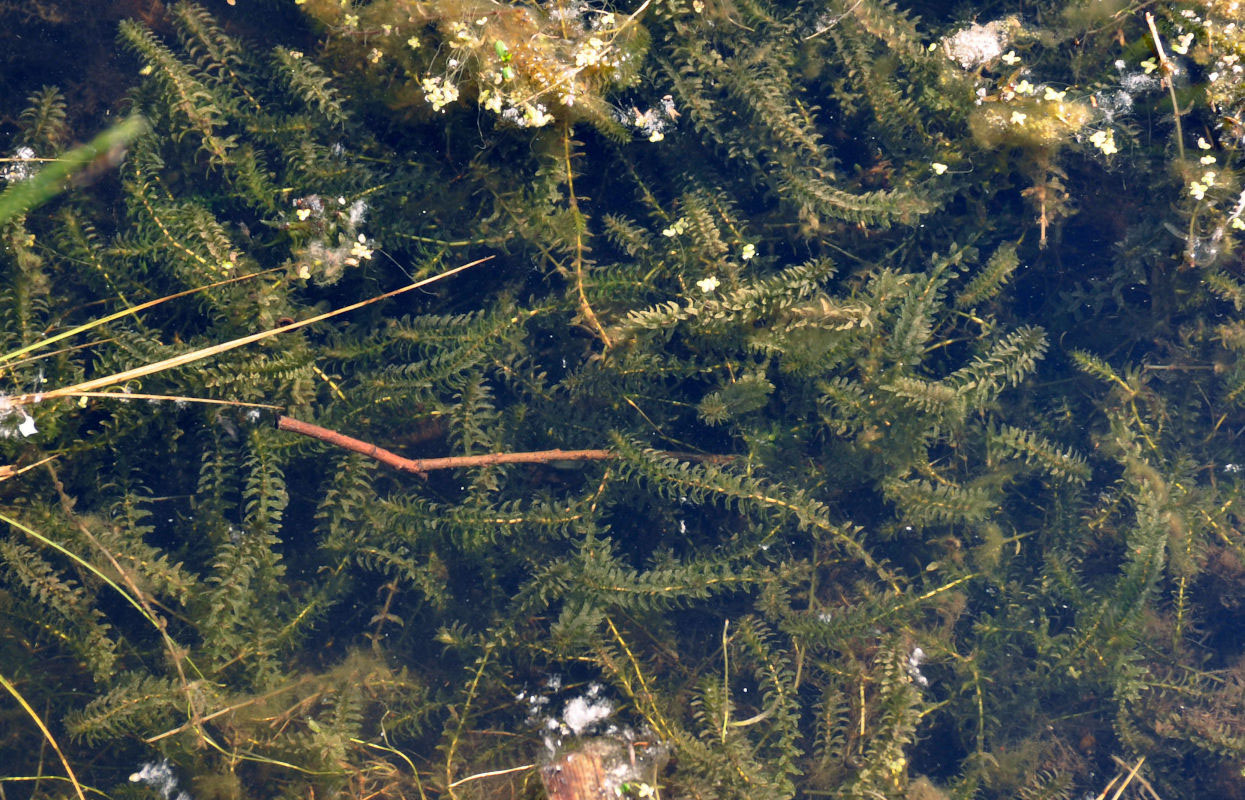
[1029,124]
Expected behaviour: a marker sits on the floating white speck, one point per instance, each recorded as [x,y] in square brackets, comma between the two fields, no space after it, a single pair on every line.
[581,713]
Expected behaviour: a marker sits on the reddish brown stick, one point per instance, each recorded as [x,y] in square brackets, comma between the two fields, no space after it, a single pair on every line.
[423,465]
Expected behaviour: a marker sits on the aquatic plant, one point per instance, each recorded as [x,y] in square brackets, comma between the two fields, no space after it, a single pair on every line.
[910,380]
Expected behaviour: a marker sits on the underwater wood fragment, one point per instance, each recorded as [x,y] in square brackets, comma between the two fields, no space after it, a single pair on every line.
[423,465]
[603,768]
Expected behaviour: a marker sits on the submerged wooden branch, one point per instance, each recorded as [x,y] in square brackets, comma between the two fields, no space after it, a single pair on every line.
[424,465]
[421,466]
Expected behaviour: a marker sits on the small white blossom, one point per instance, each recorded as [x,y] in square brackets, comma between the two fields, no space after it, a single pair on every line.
[359,251]
[590,53]
[438,92]
[490,100]
[1104,141]
[708,284]
[536,116]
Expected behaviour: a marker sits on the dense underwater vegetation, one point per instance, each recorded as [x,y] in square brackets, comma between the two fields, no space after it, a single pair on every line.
[907,342]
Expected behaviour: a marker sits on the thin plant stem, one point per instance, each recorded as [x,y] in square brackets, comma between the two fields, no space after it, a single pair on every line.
[47,734]
[216,349]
